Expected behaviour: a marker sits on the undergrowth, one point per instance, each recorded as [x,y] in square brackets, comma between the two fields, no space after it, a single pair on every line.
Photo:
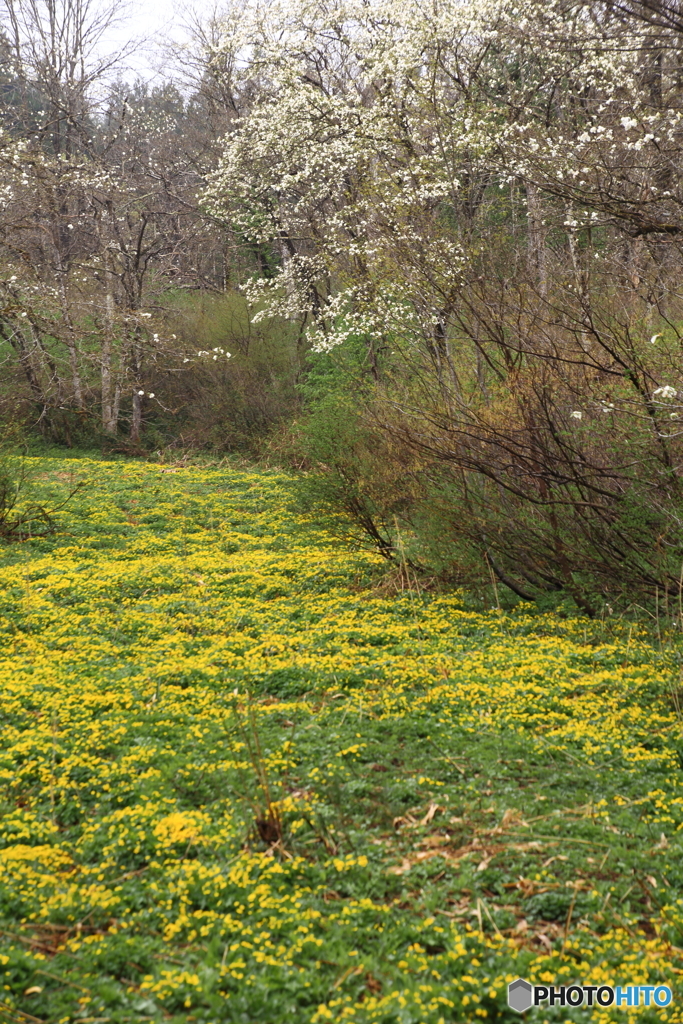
[241,783]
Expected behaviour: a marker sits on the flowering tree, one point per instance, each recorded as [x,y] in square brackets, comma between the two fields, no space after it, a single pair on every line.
[98,213]
[487,197]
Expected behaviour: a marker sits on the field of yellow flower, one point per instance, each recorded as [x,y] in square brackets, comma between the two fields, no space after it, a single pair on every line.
[238,783]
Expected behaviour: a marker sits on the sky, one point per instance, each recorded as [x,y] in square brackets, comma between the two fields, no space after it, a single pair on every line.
[154,22]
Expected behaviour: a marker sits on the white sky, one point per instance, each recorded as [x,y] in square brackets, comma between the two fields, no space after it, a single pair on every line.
[157,22]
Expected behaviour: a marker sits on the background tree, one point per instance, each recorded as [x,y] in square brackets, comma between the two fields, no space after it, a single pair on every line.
[458,190]
[101,213]
[451,233]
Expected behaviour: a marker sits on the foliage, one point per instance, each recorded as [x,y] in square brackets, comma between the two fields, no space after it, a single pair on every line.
[351,479]
[22,515]
[98,217]
[463,796]
[237,382]
[488,195]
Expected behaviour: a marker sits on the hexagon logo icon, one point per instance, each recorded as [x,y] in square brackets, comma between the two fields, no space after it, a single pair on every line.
[520,995]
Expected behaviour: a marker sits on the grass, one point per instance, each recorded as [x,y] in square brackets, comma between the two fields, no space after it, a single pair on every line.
[239,784]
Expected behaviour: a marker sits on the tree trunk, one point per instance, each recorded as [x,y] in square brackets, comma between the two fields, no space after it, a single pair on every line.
[72,348]
[109,415]
[537,231]
[136,419]
[18,343]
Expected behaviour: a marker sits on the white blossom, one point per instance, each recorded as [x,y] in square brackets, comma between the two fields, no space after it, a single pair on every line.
[665,392]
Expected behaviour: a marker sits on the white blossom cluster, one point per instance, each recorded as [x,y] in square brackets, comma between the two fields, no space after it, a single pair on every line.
[214,354]
[372,121]
[345,165]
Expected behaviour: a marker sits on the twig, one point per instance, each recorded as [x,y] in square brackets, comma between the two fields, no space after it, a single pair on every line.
[488,914]
[569,918]
[568,839]
[493,581]
[22,1015]
[63,981]
[446,757]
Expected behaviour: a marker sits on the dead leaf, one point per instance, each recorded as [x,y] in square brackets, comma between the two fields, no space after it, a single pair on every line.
[549,861]
[529,888]
[433,808]
[426,855]
[349,973]
[435,840]
[408,821]
[404,867]
[513,817]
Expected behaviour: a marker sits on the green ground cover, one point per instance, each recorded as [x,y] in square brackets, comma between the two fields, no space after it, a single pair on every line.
[240,784]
